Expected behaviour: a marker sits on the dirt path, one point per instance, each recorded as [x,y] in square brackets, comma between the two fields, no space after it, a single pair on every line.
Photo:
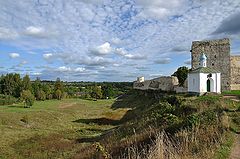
[235,152]
[67,105]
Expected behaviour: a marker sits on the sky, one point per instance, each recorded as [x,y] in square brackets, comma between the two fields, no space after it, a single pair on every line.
[109,40]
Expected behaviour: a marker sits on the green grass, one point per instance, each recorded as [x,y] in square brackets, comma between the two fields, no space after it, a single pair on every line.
[29,132]
[232,92]
[224,150]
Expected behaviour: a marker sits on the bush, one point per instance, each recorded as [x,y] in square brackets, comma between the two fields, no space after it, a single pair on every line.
[28,98]
[7,100]
[192,120]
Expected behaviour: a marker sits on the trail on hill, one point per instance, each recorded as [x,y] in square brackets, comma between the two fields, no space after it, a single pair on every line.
[67,105]
[235,152]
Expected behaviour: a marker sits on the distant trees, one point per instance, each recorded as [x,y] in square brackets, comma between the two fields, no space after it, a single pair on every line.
[96,92]
[26,83]
[181,74]
[58,89]
[13,88]
[28,98]
[107,91]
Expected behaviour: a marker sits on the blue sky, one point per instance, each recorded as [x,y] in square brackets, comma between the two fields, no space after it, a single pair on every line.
[109,40]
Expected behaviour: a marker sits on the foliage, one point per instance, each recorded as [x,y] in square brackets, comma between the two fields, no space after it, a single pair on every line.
[40,95]
[58,94]
[11,85]
[181,74]
[26,83]
[7,99]
[192,120]
[28,98]
[107,91]
[96,92]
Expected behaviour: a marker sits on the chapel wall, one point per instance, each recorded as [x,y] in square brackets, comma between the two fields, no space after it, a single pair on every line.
[218,58]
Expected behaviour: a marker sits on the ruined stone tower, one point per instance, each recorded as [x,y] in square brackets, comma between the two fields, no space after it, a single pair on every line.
[218,54]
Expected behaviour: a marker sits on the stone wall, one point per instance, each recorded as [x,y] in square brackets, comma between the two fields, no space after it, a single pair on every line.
[161,83]
[235,72]
[218,57]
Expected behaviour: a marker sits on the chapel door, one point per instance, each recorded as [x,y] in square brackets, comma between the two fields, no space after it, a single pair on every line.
[208,86]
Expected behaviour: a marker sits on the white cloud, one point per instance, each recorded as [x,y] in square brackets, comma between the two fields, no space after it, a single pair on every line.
[103,49]
[124,53]
[64,69]
[7,34]
[14,55]
[79,69]
[160,8]
[47,56]
[40,32]
[37,73]
[32,30]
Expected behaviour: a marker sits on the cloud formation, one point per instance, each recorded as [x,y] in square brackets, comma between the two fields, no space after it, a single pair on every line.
[230,25]
[163,61]
[110,40]
[14,55]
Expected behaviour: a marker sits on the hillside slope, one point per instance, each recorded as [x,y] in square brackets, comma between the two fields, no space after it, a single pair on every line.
[185,127]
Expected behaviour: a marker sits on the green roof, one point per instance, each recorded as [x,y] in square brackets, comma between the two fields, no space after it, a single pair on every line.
[204,70]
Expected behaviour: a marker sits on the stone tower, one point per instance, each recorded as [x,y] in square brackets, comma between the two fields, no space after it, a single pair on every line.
[218,55]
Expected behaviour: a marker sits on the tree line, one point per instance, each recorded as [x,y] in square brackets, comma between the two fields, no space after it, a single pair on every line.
[12,85]
[14,88]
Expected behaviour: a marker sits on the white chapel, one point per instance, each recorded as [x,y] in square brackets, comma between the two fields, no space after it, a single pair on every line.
[204,79]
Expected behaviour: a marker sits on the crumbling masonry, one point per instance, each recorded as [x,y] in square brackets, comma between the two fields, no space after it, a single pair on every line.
[219,58]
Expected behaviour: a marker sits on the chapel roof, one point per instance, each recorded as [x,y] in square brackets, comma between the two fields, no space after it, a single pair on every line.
[204,70]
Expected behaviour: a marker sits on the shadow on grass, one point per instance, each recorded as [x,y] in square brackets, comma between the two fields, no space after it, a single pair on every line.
[16,106]
[89,139]
[99,121]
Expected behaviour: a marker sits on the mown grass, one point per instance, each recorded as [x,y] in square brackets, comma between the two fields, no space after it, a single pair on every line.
[232,92]
[42,130]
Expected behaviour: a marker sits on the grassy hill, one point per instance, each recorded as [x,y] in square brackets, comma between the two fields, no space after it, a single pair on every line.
[138,124]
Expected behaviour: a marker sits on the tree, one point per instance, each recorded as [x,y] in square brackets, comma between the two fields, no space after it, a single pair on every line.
[107,91]
[28,98]
[48,91]
[58,94]
[58,85]
[181,74]
[26,83]
[40,95]
[96,92]
[11,84]
[36,86]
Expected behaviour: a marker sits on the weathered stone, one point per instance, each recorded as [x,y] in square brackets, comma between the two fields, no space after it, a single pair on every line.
[218,54]
[162,83]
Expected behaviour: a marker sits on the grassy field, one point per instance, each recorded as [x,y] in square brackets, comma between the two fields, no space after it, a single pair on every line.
[49,129]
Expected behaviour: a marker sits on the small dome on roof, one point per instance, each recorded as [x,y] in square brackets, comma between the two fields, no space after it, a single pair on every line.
[203,57]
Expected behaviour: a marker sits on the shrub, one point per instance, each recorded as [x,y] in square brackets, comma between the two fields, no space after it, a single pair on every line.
[28,98]
[192,120]
[7,100]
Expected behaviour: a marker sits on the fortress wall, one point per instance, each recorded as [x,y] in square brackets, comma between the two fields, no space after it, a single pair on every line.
[161,83]
[235,72]
[218,54]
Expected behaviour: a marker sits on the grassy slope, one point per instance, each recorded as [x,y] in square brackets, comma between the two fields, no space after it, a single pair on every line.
[50,120]
[68,128]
